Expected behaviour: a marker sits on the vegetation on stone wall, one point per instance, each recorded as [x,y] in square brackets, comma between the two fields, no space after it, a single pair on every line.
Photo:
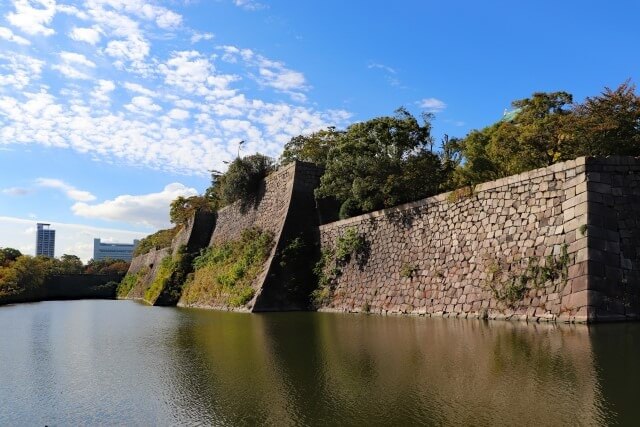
[170,277]
[241,181]
[161,279]
[510,283]
[224,273]
[350,245]
[182,209]
[130,281]
[158,240]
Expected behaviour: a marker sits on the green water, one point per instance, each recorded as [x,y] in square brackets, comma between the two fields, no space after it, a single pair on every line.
[122,363]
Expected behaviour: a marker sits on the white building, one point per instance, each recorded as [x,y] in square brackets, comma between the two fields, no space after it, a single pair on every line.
[123,251]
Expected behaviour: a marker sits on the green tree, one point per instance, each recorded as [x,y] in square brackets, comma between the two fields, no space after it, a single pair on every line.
[183,208]
[312,148]
[8,255]
[382,162]
[241,181]
[70,264]
[609,123]
[536,136]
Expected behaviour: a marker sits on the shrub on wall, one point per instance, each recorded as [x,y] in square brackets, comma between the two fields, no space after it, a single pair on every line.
[130,281]
[158,240]
[224,273]
[350,245]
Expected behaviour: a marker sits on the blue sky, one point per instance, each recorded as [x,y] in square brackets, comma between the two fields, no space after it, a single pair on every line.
[109,109]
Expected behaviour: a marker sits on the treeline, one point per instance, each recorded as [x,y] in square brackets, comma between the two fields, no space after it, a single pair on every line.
[391,160]
[23,273]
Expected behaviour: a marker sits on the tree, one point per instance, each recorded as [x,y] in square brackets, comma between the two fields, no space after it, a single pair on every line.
[608,123]
[537,136]
[312,148]
[382,162]
[70,264]
[241,181]
[183,208]
[8,255]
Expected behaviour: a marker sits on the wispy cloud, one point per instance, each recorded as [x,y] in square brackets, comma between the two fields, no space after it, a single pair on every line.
[16,191]
[390,73]
[249,4]
[69,190]
[432,105]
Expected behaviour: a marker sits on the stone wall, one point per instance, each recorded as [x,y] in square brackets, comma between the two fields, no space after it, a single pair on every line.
[285,206]
[511,248]
[151,262]
[613,255]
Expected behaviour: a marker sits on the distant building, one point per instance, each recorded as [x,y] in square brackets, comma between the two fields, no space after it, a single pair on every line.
[123,251]
[45,240]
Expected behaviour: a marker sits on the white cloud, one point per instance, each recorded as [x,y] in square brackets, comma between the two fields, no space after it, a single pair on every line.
[33,16]
[271,73]
[134,87]
[196,37]
[69,190]
[185,107]
[375,65]
[70,63]
[133,48]
[16,191]
[19,70]
[178,114]
[142,105]
[167,19]
[432,105]
[76,58]
[249,4]
[87,35]
[188,70]
[149,210]
[101,92]
[76,239]
[7,34]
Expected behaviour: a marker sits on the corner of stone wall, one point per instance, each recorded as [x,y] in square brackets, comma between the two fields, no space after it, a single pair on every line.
[575,295]
[613,235]
[300,220]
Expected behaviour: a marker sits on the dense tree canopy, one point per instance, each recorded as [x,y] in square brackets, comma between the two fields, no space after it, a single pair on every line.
[240,182]
[382,162]
[23,273]
[312,148]
[183,208]
[549,128]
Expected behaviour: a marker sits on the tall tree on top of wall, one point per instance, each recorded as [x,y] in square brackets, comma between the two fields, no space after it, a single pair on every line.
[608,123]
[536,136]
[380,163]
[312,148]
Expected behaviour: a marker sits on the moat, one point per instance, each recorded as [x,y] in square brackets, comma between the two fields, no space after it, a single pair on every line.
[98,362]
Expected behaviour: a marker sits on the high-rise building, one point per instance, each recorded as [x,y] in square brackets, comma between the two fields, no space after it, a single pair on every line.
[123,251]
[45,240]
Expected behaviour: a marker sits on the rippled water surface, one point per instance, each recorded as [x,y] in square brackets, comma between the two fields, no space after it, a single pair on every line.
[119,362]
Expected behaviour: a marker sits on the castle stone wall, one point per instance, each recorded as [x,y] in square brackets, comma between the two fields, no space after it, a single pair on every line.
[466,254]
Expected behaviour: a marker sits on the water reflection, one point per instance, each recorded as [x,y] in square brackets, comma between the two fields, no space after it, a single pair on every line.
[114,362]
